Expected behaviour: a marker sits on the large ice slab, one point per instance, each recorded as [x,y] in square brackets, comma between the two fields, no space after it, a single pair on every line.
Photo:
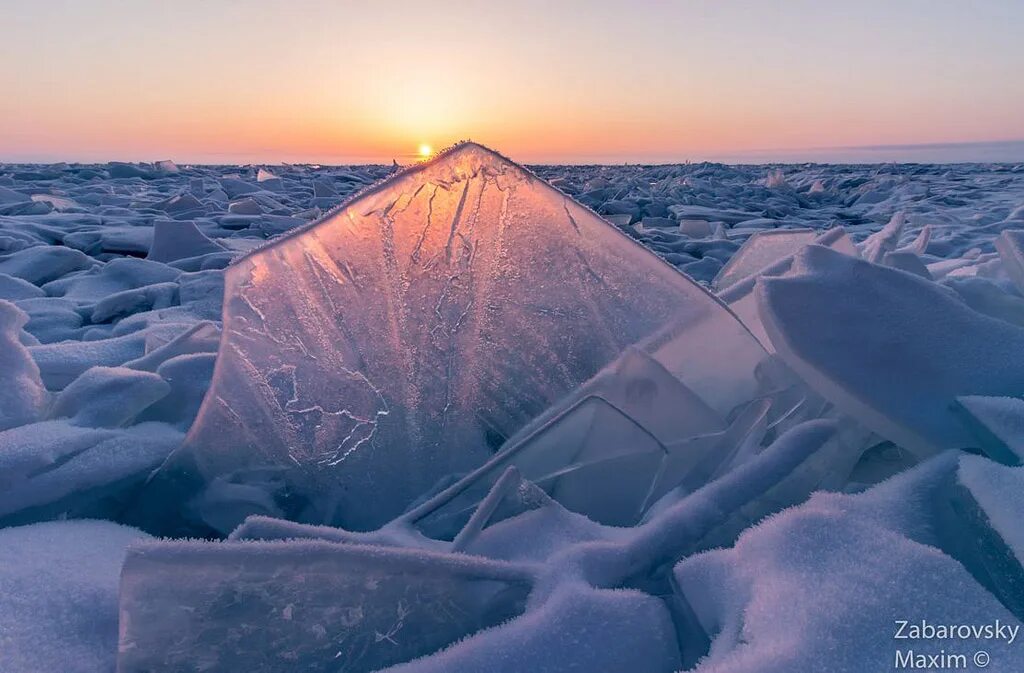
[889,348]
[405,337]
[309,606]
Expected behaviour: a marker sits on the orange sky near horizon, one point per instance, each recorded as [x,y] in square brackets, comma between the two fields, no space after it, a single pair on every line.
[568,81]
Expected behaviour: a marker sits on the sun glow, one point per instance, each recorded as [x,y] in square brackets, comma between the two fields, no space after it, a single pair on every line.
[425,151]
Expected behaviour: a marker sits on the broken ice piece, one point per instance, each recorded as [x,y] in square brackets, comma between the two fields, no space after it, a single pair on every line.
[1010,245]
[408,335]
[598,453]
[905,260]
[891,349]
[22,398]
[998,423]
[55,469]
[739,295]
[985,296]
[108,397]
[885,240]
[59,610]
[174,240]
[303,605]
[760,251]
[995,492]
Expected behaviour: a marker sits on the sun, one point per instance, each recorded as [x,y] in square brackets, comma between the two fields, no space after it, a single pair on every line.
[425,150]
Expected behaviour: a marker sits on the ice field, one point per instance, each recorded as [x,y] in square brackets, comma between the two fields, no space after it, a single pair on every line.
[471,416]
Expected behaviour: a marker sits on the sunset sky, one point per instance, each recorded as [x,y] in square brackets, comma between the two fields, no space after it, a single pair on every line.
[259,81]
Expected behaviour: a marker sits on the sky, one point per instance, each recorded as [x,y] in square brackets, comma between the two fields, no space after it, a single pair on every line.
[254,81]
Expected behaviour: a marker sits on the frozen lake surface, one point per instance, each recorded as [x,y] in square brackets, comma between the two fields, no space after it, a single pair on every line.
[461,421]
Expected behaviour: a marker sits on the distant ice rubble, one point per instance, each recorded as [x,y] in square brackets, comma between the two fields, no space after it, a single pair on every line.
[468,406]
[465,422]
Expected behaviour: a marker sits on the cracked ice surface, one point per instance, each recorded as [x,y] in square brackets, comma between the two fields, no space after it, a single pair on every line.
[407,335]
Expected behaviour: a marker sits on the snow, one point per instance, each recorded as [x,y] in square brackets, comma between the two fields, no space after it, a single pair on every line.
[39,264]
[823,586]
[56,468]
[578,629]
[61,363]
[58,595]
[587,462]
[13,289]
[986,296]
[1010,245]
[998,491]
[108,397]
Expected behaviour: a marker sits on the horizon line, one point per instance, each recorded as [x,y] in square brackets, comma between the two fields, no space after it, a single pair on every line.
[599,159]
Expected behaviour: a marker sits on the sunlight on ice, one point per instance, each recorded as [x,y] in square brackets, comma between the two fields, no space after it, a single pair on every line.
[402,341]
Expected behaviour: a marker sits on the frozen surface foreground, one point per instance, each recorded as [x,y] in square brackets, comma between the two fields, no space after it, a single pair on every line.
[461,417]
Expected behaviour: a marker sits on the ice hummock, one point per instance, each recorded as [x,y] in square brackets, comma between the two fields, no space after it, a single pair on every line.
[405,338]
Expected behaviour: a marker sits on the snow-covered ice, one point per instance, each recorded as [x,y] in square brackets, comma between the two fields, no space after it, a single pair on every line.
[59,595]
[822,587]
[895,352]
[461,416]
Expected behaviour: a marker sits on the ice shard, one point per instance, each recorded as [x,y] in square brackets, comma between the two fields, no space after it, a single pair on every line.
[776,253]
[404,338]
[1010,245]
[599,452]
[874,247]
[998,423]
[760,251]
